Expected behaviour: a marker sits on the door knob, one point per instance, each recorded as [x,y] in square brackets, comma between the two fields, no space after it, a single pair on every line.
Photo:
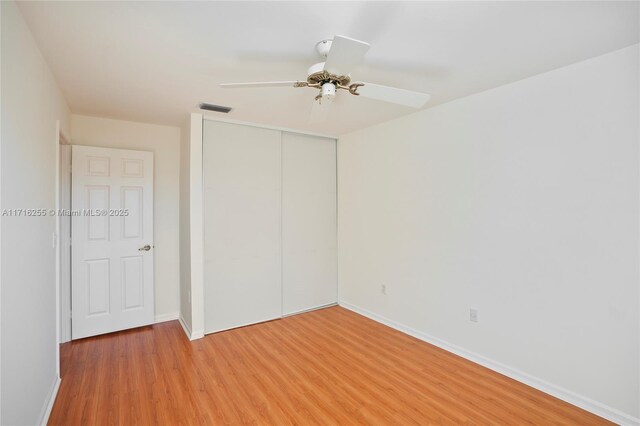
[145,248]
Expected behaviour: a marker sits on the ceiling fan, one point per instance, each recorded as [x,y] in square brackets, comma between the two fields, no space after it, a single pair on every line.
[341,54]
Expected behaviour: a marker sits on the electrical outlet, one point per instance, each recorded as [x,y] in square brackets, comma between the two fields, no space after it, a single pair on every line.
[473,315]
[383,289]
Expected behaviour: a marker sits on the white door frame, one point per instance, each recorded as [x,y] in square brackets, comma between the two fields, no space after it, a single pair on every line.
[60,138]
[63,200]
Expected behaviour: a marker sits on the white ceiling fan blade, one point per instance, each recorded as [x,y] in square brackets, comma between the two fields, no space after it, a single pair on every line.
[393,95]
[320,111]
[345,54]
[259,84]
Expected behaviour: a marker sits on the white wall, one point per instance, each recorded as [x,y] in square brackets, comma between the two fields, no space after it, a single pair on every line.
[191,230]
[164,142]
[520,202]
[31,104]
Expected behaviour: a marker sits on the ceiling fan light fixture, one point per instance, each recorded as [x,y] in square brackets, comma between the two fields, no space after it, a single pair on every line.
[328,90]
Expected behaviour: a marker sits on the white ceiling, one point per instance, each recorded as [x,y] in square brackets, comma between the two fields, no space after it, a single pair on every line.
[156,61]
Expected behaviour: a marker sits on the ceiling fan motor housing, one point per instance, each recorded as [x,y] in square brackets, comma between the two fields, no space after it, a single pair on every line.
[316,75]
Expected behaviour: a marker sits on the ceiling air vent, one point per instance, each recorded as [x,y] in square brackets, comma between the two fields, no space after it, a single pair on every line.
[215,108]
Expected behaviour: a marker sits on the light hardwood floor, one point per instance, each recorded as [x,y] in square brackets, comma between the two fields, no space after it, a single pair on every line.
[325,367]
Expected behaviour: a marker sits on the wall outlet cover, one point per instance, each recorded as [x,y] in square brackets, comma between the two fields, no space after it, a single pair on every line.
[473,315]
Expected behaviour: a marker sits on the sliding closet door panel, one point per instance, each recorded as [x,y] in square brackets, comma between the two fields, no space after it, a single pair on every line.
[308,222]
[242,225]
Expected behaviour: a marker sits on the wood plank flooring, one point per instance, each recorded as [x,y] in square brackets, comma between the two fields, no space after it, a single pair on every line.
[325,367]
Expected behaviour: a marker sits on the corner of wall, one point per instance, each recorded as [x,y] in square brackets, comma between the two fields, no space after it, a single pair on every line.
[191,244]
[185,240]
[196,224]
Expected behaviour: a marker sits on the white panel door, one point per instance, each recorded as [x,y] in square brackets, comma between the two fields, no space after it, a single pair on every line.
[242,246]
[309,242]
[112,240]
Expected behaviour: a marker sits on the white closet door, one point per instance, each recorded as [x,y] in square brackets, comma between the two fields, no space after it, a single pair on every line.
[242,231]
[308,222]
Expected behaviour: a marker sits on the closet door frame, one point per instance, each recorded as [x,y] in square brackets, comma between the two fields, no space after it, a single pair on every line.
[194,322]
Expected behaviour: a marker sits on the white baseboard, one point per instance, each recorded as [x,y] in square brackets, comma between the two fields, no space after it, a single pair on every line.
[185,327]
[166,317]
[304,311]
[583,402]
[44,418]
[191,335]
